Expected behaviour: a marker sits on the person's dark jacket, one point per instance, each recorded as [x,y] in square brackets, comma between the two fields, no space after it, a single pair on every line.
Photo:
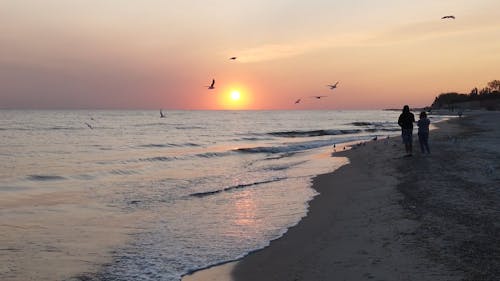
[406,120]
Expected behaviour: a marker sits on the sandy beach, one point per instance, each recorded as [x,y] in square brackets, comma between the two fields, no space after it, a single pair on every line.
[387,217]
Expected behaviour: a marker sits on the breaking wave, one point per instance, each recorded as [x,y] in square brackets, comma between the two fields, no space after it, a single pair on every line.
[313,133]
[290,147]
[45,178]
[208,193]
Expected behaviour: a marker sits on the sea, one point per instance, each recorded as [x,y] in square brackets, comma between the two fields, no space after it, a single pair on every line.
[213,185]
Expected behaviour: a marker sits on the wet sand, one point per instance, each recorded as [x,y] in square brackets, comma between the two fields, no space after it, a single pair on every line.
[387,217]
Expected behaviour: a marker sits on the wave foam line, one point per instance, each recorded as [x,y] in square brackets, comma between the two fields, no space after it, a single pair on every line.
[209,193]
[313,133]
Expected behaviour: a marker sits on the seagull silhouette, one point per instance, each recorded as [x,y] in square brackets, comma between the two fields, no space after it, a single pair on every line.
[318,97]
[297,101]
[333,86]
[233,58]
[448,17]
[212,86]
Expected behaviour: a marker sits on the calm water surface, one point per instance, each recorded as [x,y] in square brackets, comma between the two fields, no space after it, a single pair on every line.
[211,185]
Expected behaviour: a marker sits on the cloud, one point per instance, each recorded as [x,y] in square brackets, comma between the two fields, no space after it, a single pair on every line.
[383,36]
[425,30]
[298,47]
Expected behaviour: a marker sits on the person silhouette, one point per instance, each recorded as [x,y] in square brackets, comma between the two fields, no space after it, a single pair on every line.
[405,121]
[423,132]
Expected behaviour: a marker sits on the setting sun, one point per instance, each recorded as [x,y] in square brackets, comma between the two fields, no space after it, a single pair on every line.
[235,95]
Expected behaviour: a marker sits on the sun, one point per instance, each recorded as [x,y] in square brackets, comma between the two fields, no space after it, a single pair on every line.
[235,95]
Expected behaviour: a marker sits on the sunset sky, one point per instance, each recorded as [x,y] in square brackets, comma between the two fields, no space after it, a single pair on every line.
[150,54]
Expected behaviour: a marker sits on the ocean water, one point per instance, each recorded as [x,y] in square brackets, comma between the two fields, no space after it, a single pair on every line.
[212,186]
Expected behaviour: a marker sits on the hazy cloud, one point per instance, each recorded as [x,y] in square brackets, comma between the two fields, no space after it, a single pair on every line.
[431,29]
[409,32]
[299,47]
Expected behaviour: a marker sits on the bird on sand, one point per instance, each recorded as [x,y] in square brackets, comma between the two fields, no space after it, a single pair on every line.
[318,97]
[233,58]
[448,17]
[297,101]
[333,86]
[161,114]
[212,86]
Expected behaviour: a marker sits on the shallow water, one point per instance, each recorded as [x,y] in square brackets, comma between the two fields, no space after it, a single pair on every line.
[210,186]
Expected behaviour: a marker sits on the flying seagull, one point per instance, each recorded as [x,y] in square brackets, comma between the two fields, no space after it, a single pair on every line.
[318,97]
[212,86]
[448,17]
[333,86]
[233,58]
[297,101]
[161,114]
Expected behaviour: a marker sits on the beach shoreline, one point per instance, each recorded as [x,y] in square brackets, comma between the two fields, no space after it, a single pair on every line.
[82,203]
[386,217]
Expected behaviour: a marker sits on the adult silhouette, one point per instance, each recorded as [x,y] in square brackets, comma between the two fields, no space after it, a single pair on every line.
[405,121]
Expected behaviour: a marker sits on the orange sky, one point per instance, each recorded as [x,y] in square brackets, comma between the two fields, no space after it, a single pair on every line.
[121,54]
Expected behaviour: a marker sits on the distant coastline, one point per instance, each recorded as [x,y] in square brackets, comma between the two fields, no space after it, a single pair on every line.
[488,98]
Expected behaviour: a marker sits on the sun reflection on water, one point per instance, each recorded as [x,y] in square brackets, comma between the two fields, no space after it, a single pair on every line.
[245,210]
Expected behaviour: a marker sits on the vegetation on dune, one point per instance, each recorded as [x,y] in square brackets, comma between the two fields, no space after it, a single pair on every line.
[488,97]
